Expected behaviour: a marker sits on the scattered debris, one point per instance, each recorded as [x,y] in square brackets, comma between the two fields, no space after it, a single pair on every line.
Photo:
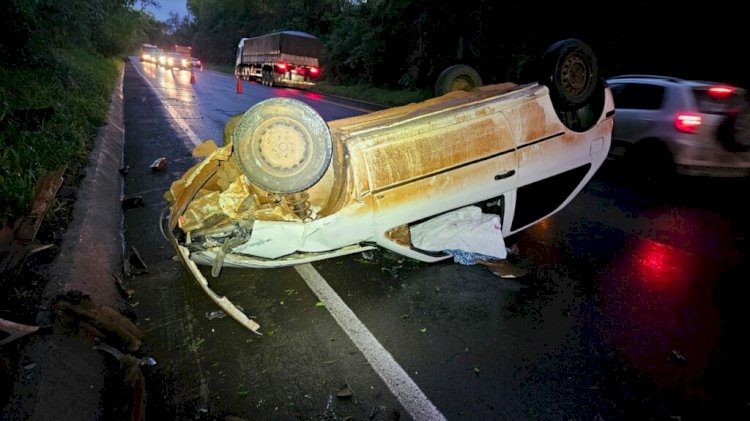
[19,242]
[346,392]
[216,314]
[46,189]
[100,322]
[320,304]
[135,258]
[125,170]
[124,291]
[423,330]
[132,393]
[159,164]
[504,269]
[133,202]
[677,357]
[15,330]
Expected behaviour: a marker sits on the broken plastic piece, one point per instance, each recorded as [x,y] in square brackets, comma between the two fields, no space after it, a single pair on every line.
[159,164]
[504,269]
[15,330]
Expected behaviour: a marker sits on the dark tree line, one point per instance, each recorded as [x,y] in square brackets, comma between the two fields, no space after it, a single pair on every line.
[400,43]
[406,43]
[32,27]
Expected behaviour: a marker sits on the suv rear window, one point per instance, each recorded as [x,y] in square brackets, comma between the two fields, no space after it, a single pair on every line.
[709,103]
[639,96]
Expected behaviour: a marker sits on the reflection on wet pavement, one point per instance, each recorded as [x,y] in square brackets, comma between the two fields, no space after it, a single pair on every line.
[657,300]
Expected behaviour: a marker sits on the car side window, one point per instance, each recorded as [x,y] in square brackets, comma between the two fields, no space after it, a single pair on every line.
[638,96]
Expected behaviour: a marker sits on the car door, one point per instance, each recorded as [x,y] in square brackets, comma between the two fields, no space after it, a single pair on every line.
[439,159]
[638,108]
[554,161]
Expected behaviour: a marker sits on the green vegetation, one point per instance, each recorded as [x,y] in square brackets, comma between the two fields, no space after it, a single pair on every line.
[59,62]
[367,93]
[50,113]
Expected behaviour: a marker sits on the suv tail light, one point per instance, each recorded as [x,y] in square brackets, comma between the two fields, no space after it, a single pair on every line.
[720,91]
[687,123]
[314,71]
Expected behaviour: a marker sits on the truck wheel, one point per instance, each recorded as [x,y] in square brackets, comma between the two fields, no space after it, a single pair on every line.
[570,71]
[458,77]
[282,145]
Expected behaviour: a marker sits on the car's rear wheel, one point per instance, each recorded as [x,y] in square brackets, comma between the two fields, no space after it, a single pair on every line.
[458,77]
[282,145]
[571,72]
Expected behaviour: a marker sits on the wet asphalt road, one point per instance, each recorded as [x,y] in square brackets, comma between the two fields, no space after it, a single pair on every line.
[634,307]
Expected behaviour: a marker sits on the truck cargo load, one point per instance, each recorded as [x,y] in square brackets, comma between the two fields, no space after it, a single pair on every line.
[288,58]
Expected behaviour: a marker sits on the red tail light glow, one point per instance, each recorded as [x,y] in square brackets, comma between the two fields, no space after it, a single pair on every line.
[721,91]
[687,123]
[281,66]
[314,70]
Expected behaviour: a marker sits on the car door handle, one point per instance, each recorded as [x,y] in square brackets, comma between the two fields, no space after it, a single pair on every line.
[507,174]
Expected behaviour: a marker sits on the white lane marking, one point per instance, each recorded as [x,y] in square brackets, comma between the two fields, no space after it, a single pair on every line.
[194,139]
[401,385]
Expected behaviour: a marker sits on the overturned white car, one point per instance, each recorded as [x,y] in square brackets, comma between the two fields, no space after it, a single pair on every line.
[289,188]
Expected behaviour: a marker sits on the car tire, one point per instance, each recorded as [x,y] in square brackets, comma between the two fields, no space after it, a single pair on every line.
[571,72]
[282,145]
[458,77]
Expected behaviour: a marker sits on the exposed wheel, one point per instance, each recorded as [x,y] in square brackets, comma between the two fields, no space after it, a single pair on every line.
[571,72]
[734,134]
[283,145]
[458,77]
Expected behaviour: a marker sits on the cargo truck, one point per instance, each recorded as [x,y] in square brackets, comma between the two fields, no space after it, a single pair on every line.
[286,58]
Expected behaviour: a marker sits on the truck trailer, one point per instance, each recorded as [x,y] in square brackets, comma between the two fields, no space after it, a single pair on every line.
[286,58]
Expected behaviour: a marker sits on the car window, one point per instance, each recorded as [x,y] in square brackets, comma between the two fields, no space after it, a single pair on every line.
[637,95]
[717,103]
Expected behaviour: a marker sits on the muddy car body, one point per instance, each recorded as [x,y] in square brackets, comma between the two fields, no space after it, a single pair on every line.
[288,188]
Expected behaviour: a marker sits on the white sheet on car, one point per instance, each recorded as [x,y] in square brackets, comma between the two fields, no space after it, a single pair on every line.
[466,229]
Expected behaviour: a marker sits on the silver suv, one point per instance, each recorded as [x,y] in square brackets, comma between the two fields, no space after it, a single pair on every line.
[665,125]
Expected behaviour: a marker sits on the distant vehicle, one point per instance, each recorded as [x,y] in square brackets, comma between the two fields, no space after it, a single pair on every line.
[667,125]
[288,188]
[149,53]
[287,58]
[184,49]
[177,60]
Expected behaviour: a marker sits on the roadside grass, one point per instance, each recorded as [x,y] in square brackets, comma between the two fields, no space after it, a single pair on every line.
[380,96]
[49,114]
